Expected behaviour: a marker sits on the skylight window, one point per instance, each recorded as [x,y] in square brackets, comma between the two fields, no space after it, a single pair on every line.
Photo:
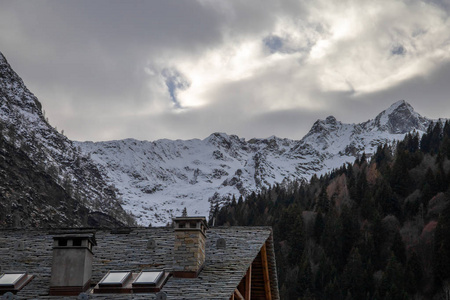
[149,281]
[148,278]
[126,282]
[115,278]
[14,281]
[10,279]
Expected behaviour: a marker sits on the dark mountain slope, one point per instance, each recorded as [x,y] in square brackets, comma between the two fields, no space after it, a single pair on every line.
[45,179]
[30,197]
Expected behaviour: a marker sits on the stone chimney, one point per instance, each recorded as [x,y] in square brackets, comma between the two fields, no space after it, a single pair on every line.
[71,264]
[190,244]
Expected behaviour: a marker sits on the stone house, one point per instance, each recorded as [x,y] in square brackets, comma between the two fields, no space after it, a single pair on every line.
[188,261]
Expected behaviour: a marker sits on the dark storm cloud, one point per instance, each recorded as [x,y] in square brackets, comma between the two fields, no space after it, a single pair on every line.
[442,4]
[116,69]
[120,25]
[110,38]
[429,95]
[80,56]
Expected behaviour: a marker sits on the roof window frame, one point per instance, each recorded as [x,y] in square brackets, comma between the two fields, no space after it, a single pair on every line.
[150,287]
[130,283]
[150,283]
[127,276]
[17,284]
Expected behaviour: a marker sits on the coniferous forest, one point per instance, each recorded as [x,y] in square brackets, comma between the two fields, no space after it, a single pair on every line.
[375,229]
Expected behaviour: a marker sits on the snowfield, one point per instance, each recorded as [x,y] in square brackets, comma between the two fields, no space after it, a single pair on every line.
[156,180]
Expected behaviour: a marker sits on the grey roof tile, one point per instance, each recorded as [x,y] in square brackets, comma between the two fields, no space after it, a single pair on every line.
[223,270]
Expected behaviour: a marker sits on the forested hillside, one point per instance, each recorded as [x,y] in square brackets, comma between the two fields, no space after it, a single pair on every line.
[377,229]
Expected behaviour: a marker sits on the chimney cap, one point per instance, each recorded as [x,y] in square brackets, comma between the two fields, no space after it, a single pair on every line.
[69,236]
[200,218]
[190,223]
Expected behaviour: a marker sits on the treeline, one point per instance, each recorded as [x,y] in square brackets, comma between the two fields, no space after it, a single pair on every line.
[377,229]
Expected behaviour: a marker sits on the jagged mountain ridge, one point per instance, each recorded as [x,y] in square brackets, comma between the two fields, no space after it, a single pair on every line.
[71,190]
[157,179]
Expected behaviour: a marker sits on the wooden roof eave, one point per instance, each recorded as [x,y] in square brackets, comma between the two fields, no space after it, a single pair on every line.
[267,256]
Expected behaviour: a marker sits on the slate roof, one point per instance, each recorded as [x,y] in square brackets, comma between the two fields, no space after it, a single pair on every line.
[31,251]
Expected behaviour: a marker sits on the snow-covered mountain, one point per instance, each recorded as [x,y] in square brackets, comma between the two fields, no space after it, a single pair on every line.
[44,178]
[156,180]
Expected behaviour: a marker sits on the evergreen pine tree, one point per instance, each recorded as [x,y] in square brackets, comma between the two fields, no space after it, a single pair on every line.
[353,276]
[398,248]
[414,273]
[331,240]
[305,277]
[442,246]
[318,227]
[392,282]
[296,239]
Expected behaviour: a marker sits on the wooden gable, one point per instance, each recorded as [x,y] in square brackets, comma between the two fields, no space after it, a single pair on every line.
[256,283]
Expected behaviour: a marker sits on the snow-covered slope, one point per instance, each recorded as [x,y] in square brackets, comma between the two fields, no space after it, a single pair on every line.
[156,180]
[24,128]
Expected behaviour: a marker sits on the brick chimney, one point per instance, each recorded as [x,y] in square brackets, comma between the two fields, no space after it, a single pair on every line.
[190,244]
[71,264]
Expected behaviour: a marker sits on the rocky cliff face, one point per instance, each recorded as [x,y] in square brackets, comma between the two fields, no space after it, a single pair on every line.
[158,179]
[46,181]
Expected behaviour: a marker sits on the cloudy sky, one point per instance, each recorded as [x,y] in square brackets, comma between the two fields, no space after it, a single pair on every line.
[184,69]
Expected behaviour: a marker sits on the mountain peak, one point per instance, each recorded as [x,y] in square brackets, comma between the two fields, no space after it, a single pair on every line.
[400,105]
[331,120]
[400,118]
[323,126]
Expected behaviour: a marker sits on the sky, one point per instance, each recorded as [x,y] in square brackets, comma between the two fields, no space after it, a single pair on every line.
[106,70]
